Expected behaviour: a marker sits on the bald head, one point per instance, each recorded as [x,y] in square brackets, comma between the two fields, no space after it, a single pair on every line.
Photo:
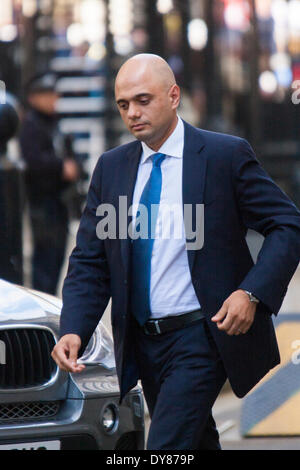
[152,65]
[148,96]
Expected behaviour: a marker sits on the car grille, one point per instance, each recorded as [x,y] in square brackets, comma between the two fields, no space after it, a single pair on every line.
[28,362]
[23,412]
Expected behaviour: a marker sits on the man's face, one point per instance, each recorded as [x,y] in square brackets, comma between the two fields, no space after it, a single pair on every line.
[44,101]
[147,106]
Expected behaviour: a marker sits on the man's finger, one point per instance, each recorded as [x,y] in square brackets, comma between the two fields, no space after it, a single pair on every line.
[221,314]
[59,354]
[226,324]
[235,330]
[65,354]
[73,354]
[67,364]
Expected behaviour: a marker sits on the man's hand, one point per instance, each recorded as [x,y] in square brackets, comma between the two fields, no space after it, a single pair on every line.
[65,353]
[236,314]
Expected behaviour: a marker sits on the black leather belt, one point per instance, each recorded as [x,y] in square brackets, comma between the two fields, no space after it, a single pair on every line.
[170,323]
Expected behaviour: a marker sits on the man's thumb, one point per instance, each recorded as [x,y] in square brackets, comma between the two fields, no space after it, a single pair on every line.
[73,355]
[220,314]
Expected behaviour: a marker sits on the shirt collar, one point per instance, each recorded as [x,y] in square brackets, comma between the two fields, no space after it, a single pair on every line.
[172,147]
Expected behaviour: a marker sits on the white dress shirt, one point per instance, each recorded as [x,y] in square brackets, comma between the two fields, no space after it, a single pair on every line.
[171,288]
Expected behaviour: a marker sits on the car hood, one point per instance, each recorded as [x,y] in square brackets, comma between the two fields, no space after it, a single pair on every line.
[21,305]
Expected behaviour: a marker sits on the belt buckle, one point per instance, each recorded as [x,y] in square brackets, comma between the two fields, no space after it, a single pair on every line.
[157,328]
[158,331]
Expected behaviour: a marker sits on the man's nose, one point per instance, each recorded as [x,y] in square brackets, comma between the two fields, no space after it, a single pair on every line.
[133,111]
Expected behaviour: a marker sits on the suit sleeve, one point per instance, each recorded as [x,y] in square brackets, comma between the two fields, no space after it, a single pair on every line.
[86,289]
[265,208]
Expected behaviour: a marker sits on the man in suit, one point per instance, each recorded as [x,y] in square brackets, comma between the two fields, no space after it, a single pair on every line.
[183,319]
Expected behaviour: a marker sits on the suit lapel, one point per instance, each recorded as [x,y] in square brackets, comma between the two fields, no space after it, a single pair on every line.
[131,168]
[193,176]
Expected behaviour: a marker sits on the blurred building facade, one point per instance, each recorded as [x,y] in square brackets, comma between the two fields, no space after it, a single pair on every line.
[237,61]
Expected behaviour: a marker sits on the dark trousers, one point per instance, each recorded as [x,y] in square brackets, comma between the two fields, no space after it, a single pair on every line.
[49,222]
[181,374]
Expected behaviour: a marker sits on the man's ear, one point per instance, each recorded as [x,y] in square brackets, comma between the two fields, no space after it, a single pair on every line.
[174,95]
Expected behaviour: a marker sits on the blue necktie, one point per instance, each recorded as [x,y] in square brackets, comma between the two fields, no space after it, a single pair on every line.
[142,247]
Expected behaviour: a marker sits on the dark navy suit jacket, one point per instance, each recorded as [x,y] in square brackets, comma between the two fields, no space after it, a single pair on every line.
[221,172]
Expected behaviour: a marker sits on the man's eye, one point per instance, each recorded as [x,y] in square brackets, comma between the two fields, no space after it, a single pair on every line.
[144,101]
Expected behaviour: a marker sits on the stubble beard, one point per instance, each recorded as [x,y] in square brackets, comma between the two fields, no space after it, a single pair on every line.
[155,138]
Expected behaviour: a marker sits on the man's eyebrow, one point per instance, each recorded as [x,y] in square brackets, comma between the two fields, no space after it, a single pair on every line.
[141,95]
[138,96]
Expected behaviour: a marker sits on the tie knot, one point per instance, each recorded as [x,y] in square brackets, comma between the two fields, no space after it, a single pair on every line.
[157,159]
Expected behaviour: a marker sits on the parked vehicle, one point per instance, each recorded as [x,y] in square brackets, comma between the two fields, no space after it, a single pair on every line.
[42,407]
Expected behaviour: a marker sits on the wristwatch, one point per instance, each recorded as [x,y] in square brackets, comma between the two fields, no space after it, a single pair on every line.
[252,297]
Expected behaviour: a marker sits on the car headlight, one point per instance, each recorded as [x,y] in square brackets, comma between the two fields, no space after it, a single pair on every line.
[99,349]
[110,418]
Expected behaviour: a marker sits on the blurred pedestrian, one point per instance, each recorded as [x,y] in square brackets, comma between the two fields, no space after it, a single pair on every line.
[49,170]
[184,317]
[11,259]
